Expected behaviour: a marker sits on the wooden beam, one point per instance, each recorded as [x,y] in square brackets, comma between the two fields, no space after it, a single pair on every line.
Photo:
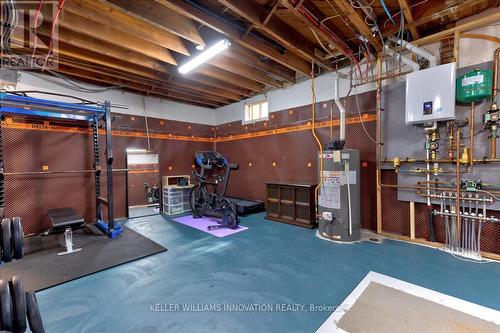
[252,42]
[243,70]
[102,78]
[107,33]
[252,59]
[433,12]
[409,17]
[80,41]
[88,56]
[219,84]
[359,22]
[271,12]
[228,76]
[274,27]
[109,15]
[492,17]
[295,11]
[161,17]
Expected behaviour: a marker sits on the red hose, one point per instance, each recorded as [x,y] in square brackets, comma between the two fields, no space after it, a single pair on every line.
[37,15]
[54,23]
[331,34]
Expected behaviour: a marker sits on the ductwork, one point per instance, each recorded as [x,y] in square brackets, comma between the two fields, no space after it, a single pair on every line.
[341,108]
[433,61]
[405,60]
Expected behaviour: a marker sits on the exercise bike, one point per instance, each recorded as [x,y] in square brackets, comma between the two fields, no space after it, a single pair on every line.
[152,193]
[204,198]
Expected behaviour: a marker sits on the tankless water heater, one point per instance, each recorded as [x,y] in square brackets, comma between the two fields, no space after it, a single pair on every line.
[430,94]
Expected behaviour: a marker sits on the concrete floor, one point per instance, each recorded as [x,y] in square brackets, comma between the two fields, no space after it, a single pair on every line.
[270,263]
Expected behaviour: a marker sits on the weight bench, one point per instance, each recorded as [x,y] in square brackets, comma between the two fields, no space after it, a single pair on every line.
[63,218]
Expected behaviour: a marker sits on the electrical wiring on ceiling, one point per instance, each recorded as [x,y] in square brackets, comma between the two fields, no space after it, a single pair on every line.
[338,41]
[35,29]
[10,19]
[387,12]
[54,24]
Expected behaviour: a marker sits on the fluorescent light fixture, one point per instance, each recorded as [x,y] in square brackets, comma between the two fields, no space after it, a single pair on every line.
[205,56]
[136,150]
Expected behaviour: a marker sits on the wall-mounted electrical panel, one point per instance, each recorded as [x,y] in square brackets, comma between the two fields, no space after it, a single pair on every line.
[430,94]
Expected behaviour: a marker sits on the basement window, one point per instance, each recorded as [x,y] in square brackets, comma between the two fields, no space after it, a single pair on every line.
[255,112]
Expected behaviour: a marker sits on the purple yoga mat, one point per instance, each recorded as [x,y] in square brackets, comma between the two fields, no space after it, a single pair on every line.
[204,222]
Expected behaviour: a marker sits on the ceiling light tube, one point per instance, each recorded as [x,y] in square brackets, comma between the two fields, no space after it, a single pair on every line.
[204,56]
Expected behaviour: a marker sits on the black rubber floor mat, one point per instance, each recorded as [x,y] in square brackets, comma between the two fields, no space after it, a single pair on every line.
[45,269]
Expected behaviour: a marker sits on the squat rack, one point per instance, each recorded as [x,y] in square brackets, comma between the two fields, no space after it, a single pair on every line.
[91,114]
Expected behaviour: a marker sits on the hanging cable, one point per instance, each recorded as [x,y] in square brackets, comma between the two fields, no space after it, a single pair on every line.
[146,121]
[310,17]
[54,23]
[38,11]
[387,12]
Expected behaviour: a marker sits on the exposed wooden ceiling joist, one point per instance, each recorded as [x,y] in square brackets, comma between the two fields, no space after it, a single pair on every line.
[310,25]
[251,42]
[358,21]
[220,84]
[160,17]
[108,15]
[254,60]
[277,29]
[109,34]
[228,76]
[244,70]
[409,17]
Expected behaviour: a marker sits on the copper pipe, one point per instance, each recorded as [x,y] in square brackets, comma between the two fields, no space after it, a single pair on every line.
[471,133]
[457,183]
[446,189]
[378,154]
[493,147]
[496,59]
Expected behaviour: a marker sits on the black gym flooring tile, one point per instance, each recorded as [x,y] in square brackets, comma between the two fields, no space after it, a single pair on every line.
[45,269]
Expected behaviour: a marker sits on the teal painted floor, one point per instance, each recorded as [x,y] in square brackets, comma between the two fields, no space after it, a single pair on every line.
[271,263]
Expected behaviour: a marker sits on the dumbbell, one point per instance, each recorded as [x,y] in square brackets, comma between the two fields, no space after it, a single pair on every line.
[12,239]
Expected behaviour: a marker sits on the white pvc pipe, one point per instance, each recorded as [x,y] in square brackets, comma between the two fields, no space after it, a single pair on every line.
[417,50]
[341,109]
[407,61]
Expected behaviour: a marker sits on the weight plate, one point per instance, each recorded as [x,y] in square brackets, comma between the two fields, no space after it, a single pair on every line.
[5,306]
[19,304]
[34,318]
[17,238]
[6,240]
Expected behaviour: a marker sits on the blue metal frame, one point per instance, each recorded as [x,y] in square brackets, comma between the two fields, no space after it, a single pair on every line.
[30,106]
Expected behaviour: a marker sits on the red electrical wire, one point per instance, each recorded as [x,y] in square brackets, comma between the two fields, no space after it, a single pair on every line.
[37,15]
[54,23]
[330,33]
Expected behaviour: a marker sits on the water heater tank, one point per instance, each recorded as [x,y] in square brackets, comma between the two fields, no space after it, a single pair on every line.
[430,94]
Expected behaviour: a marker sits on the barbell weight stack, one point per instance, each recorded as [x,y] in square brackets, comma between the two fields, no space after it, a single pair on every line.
[5,306]
[17,238]
[34,317]
[19,304]
[6,233]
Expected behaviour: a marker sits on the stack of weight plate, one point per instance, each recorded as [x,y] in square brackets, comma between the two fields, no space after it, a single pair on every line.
[11,237]
[16,306]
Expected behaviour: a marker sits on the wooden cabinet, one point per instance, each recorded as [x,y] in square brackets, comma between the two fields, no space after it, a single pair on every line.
[291,202]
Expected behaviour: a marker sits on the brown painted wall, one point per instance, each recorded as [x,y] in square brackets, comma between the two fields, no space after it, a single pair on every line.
[28,150]
[295,153]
